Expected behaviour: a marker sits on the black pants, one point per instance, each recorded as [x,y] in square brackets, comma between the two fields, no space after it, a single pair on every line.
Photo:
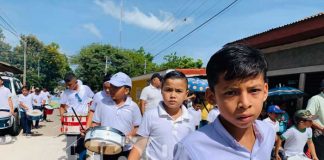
[319,146]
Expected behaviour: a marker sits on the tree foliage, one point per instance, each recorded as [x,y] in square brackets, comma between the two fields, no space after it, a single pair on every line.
[174,61]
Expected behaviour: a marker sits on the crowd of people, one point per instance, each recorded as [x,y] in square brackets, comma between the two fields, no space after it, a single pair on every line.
[170,122]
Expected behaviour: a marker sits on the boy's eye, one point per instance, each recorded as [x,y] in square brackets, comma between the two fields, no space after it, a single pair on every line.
[230,93]
[255,90]
[179,91]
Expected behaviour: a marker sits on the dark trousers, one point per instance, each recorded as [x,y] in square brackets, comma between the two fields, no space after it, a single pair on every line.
[319,146]
[75,144]
[25,122]
[37,121]
[121,156]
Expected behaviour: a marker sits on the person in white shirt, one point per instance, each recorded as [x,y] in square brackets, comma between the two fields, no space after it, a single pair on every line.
[25,104]
[212,115]
[38,103]
[76,96]
[151,95]
[166,125]
[274,112]
[297,136]
[5,98]
[46,95]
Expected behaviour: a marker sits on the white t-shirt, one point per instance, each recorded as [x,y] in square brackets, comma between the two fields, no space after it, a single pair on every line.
[296,140]
[97,98]
[163,132]
[27,100]
[212,115]
[5,94]
[77,99]
[46,96]
[38,99]
[152,96]
[274,125]
[196,115]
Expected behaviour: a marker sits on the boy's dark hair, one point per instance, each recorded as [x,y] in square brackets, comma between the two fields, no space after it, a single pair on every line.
[68,77]
[174,75]
[25,87]
[236,61]
[106,78]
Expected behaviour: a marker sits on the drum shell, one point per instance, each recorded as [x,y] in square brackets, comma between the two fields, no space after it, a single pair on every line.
[70,124]
[34,117]
[5,121]
[48,110]
[106,136]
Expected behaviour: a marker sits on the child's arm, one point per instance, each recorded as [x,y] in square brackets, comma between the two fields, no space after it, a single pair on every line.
[278,145]
[138,148]
[312,148]
[23,105]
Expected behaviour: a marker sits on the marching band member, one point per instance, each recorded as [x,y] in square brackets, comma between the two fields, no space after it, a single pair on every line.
[25,104]
[5,98]
[76,96]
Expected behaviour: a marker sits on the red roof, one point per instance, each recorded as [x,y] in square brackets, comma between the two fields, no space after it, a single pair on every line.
[193,72]
[306,28]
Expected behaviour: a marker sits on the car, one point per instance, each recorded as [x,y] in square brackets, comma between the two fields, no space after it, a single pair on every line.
[14,85]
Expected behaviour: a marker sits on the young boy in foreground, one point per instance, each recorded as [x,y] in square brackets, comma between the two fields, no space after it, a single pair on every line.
[237,84]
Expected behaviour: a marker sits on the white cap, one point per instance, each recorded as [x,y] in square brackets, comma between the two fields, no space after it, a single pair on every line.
[120,79]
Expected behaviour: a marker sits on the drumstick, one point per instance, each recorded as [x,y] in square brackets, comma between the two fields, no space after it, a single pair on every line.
[77,118]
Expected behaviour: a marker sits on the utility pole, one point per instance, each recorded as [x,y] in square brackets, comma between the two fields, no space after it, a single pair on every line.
[145,66]
[38,66]
[25,61]
[106,65]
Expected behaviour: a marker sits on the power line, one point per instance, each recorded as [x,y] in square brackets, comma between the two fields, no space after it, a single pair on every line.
[196,28]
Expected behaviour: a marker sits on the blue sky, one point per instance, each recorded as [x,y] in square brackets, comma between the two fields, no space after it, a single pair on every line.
[153,24]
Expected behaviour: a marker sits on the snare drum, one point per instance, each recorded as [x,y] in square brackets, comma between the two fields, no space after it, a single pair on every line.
[104,140]
[34,114]
[5,120]
[48,109]
[70,124]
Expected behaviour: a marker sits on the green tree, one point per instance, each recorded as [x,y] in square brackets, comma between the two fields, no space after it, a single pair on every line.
[174,61]
[5,49]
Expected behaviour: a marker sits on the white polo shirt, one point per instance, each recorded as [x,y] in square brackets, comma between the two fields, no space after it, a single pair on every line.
[5,94]
[212,115]
[152,96]
[274,125]
[163,132]
[80,105]
[196,115]
[122,118]
[295,140]
[97,98]
[37,99]
[27,100]
[46,96]
[213,141]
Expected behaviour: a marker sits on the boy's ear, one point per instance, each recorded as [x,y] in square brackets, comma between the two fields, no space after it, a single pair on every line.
[266,90]
[210,96]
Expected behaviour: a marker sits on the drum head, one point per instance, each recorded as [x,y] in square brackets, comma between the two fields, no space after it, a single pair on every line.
[34,112]
[103,147]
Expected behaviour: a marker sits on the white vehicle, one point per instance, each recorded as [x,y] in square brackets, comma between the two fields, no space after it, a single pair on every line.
[14,85]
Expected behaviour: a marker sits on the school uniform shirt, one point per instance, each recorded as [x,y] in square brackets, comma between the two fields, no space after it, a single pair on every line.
[27,100]
[152,96]
[315,106]
[122,118]
[213,141]
[77,99]
[97,98]
[5,94]
[196,115]
[274,125]
[37,99]
[163,132]
[46,96]
[295,140]
[212,115]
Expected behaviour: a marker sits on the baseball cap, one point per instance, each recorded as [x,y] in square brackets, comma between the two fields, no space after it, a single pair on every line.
[156,75]
[305,114]
[274,109]
[120,79]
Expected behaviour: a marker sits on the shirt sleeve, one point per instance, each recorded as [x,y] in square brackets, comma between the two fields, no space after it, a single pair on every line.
[312,105]
[144,128]
[309,133]
[90,93]
[9,94]
[97,115]
[180,152]
[144,94]
[137,117]
[286,135]
[94,102]
[63,98]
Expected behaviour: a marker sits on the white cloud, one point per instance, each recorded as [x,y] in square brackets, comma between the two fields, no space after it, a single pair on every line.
[166,22]
[92,29]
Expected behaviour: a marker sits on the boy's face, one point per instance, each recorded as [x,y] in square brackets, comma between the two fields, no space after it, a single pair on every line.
[25,92]
[307,123]
[106,87]
[239,101]
[73,84]
[174,92]
[118,93]
[273,116]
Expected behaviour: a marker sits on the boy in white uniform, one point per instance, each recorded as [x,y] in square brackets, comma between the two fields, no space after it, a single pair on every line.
[213,114]
[38,103]
[5,98]
[25,104]
[297,136]
[274,112]
[236,77]
[164,126]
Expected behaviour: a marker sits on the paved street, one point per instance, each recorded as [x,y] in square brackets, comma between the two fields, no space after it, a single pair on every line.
[44,144]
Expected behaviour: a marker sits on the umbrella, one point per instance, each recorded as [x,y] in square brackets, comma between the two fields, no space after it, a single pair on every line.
[197,84]
[285,93]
